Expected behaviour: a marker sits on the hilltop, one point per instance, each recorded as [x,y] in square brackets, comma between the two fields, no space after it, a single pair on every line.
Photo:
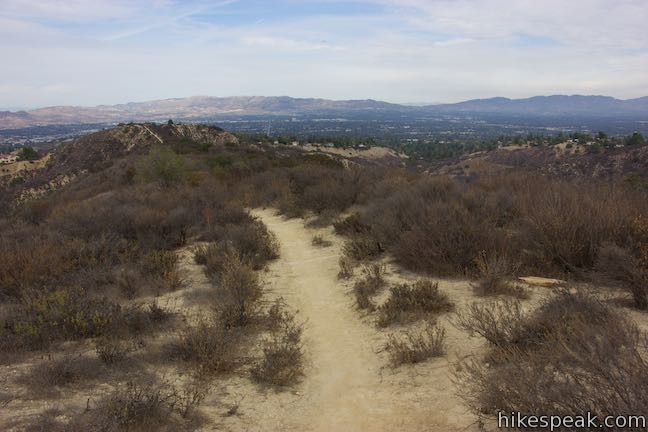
[98,151]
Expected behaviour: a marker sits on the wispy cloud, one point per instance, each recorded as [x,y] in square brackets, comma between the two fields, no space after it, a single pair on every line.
[147,23]
[291,45]
[108,51]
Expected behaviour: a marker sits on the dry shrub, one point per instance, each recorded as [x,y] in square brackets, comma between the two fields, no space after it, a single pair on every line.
[132,282]
[162,266]
[288,206]
[347,265]
[495,274]
[170,281]
[640,239]
[201,254]
[65,314]
[276,315]
[369,285]
[556,315]
[500,321]
[148,216]
[251,241]
[48,377]
[320,241]
[569,224]
[209,346]
[619,265]
[439,225]
[411,302]
[282,362]
[504,324]
[320,188]
[6,398]
[362,248]
[433,226]
[415,346]
[156,313]
[447,239]
[31,257]
[105,250]
[159,262]
[351,225]
[323,219]
[143,408]
[138,319]
[111,350]
[573,355]
[191,396]
[212,256]
[69,314]
[46,421]
[362,292]
[238,291]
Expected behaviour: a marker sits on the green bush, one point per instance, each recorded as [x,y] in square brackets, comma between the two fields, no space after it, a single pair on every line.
[27,154]
[164,166]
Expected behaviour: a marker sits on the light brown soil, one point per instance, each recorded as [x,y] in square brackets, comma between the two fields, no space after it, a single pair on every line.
[368,153]
[13,170]
[347,384]
[541,281]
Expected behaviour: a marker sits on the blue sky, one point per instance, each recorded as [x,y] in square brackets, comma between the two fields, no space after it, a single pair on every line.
[90,52]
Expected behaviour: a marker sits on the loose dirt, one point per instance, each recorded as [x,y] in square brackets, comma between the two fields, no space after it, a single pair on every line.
[347,385]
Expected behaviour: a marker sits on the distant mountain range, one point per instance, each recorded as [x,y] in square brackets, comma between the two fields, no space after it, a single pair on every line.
[205,107]
[557,105]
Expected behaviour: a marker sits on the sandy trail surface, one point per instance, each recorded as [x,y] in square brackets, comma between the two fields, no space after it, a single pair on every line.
[346,386]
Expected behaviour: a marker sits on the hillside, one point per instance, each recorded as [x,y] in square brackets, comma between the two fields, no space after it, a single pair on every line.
[98,151]
[201,107]
[565,161]
[173,278]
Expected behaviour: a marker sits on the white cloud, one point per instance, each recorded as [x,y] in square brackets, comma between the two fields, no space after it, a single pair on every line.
[104,51]
[68,10]
[287,44]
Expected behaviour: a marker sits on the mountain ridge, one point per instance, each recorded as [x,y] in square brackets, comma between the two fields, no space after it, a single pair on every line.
[201,107]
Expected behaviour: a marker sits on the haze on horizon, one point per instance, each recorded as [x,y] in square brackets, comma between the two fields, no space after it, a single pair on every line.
[91,52]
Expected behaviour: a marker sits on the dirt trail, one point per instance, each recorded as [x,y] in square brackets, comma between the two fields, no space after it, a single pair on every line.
[344,367]
[346,386]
